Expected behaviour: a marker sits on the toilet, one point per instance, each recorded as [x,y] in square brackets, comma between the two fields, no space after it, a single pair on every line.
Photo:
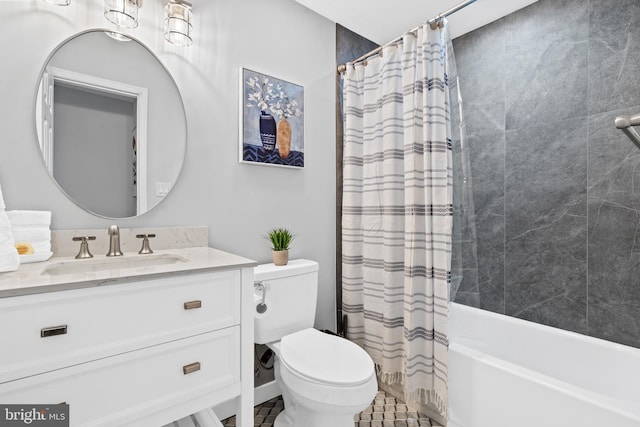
[325,380]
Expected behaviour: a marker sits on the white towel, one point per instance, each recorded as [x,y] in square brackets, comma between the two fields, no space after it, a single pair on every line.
[32,236]
[24,218]
[2,206]
[4,229]
[6,238]
[4,222]
[7,250]
[9,259]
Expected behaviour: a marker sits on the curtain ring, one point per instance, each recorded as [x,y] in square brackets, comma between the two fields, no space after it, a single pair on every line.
[441,24]
[365,63]
[434,25]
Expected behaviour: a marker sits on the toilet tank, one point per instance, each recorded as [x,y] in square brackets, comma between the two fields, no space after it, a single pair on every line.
[291,293]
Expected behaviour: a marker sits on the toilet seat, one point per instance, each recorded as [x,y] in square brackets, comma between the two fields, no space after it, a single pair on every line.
[325,359]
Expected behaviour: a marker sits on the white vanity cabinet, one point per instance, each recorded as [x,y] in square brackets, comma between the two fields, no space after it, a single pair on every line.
[136,351]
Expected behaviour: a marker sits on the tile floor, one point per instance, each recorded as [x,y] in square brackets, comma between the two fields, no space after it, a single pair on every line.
[384,411]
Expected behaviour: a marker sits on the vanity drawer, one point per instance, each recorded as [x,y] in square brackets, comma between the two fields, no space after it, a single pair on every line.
[54,330]
[124,389]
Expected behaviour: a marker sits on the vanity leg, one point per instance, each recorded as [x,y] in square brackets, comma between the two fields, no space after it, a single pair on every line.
[244,414]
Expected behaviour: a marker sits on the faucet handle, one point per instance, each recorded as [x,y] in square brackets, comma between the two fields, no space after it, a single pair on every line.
[84,246]
[146,249]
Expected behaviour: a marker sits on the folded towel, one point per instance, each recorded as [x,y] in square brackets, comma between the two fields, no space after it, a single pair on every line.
[2,206]
[29,228]
[7,250]
[4,229]
[24,218]
[6,238]
[9,259]
[9,262]
[33,237]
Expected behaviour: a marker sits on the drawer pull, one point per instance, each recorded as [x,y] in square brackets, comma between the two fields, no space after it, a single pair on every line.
[53,330]
[191,368]
[190,305]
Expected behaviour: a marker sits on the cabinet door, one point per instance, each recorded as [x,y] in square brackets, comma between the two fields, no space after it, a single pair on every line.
[59,329]
[169,379]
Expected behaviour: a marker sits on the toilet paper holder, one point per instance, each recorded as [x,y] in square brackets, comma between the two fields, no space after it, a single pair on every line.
[261,307]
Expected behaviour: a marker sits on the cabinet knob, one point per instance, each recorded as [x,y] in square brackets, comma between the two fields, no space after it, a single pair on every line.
[190,305]
[191,368]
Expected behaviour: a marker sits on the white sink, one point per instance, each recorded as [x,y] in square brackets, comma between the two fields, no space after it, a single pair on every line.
[108,264]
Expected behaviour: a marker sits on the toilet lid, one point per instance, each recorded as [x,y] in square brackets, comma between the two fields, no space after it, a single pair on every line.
[326,358]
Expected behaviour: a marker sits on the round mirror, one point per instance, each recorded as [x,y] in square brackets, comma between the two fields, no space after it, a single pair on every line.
[111,124]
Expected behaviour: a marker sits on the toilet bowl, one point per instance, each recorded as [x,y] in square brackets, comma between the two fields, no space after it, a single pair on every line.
[325,379]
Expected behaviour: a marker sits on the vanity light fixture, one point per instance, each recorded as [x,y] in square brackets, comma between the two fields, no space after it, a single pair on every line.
[123,13]
[178,28]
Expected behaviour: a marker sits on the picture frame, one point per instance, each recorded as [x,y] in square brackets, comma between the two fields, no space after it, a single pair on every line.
[271,121]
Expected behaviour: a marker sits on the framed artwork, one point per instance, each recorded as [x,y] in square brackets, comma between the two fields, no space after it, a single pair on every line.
[271,120]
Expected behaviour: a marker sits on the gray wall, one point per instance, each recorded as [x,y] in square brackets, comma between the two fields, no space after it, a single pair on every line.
[238,202]
[558,208]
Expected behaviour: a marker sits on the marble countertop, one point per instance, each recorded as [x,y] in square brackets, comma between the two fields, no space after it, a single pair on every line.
[66,273]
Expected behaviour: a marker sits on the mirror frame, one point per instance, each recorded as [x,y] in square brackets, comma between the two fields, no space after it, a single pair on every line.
[80,80]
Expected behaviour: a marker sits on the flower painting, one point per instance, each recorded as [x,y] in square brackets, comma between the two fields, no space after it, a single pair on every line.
[271,120]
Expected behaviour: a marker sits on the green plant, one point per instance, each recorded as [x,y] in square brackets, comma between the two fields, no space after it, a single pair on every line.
[280,239]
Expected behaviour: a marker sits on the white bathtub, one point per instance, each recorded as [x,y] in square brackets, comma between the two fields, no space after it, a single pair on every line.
[506,372]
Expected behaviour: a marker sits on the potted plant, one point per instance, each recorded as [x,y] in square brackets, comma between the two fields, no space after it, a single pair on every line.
[280,239]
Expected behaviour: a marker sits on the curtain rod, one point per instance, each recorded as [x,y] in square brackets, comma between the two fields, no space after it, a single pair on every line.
[626,123]
[433,21]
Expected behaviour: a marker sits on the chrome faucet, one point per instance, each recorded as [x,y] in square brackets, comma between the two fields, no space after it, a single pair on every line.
[114,241]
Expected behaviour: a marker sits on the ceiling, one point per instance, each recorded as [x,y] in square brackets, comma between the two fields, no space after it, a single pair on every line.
[383,20]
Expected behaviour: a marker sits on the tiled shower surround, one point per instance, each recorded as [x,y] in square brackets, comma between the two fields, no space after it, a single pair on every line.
[556,186]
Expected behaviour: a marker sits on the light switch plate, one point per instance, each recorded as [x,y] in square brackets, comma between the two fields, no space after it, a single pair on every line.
[162,188]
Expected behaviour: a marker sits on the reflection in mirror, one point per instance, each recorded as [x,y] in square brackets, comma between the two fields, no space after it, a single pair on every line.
[110,123]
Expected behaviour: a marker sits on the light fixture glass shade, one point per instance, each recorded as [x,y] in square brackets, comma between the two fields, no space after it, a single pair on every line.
[178,29]
[59,2]
[123,13]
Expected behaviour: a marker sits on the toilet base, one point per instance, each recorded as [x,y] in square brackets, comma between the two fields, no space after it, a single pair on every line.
[313,420]
[283,420]
[299,411]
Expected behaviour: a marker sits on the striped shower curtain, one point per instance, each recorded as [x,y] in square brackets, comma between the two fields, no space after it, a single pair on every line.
[397,214]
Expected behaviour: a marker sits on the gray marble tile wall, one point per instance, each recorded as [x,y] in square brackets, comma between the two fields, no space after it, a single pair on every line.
[556,196]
